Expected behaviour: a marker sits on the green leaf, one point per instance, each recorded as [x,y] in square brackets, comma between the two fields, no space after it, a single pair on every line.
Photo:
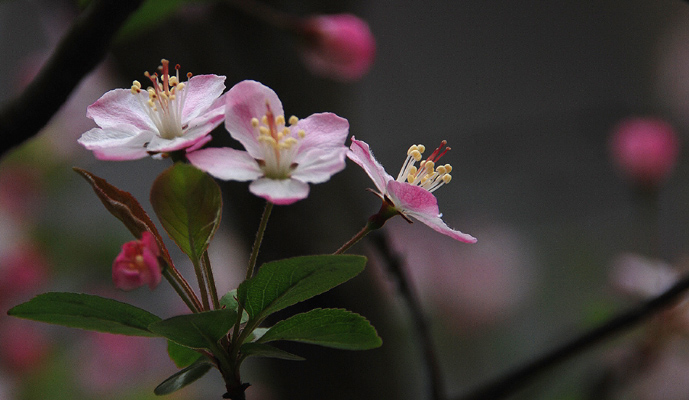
[125,207]
[280,284]
[188,204]
[264,350]
[88,312]
[193,330]
[229,300]
[337,328]
[184,377]
[182,356]
[151,14]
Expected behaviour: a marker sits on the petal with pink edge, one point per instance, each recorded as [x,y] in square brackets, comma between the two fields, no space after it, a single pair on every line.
[201,93]
[360,153]
[247,100]
[280,191]
[319,165]
[120,107]
[226,164]
[418,203]
[322,131]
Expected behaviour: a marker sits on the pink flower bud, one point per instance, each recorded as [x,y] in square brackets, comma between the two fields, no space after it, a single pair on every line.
[137,264]
[340,46]
[645,150]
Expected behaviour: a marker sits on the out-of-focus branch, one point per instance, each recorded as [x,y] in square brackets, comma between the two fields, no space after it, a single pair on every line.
[81,49]
[435,389]
[512,381]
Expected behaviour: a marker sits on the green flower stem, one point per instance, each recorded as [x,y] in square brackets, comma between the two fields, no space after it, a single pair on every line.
[250,272]
[376,221]
[202,284]
[360,235]
[206,263]
[181,286]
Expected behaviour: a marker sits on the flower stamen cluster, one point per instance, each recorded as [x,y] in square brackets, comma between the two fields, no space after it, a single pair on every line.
[426,175]
[165,100]
[279,142]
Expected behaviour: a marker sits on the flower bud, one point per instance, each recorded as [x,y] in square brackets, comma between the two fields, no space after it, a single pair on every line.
[340,46]
[137,264]
[645,150]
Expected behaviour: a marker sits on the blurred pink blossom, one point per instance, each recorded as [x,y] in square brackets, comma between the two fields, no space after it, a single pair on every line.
[24,345]
[469,286]
[340,46]
[137,264]
[645,150]
[23,271]
[109,362]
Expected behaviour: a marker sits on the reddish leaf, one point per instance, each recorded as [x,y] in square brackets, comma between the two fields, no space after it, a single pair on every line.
[125,207]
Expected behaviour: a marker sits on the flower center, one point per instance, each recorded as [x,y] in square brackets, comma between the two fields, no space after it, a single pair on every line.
[165,100]
[426,175]
[280,143]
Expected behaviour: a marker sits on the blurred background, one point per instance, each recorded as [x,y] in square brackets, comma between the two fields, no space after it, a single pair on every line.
[528,94]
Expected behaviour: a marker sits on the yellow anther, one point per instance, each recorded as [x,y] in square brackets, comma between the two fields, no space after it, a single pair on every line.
[411,149]
[137,84]
[421,148]
[163,96]
[281,135]
[286,131]
[264,119]
[264,131]
[448,168]
[447,178]
[180,86]
[410,177]
[440,169]
[429,165]
[280,120]
[268,139]
[293,120]
[254,122]
[151,103]
[173,81]
[290,141]
[135,90]
[301,133]
[415,154]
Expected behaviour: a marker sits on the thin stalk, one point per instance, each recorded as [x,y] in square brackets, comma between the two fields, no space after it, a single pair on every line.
[206,264]
[360,235]
[184,291]
[202,284]
[250,271]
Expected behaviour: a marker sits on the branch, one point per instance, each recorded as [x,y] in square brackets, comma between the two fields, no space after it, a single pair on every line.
[430,360]
[520,377]
[80,51]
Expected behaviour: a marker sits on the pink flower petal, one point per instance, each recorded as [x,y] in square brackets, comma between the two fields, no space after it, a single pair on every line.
[281,192]
[247,100]
[322,130]
[418,203]
[226,163]
[119,107]
[117,143]
[319,165]
[201,92]
[360,153]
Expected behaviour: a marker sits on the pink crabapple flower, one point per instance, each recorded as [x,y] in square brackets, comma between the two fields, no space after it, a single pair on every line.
[339,46]
[645,150]
[137,264]
[281,160]
[170,115]
[411,194]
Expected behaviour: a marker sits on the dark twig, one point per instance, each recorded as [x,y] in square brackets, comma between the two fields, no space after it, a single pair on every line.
[395,267]
[520,377]
[82,48]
